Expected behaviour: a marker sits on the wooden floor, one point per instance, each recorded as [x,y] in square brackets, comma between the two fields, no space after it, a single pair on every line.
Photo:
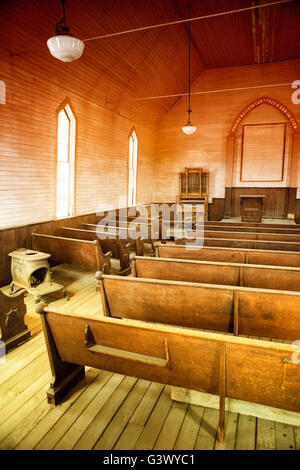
[110,411]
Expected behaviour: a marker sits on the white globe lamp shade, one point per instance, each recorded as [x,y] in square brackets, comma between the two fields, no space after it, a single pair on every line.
[65,47]
[188,129]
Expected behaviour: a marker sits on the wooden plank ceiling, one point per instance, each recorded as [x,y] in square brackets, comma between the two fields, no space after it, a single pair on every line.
[114,71]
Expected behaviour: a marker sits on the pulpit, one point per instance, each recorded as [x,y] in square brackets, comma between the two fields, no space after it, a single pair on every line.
[252,207]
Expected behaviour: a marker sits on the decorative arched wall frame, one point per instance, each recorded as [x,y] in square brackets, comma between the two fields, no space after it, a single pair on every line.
[295,156]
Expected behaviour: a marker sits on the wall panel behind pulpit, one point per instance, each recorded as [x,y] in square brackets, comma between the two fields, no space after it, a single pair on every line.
[263,150]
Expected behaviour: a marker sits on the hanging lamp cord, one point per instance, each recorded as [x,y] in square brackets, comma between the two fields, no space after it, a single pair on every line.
[61,27]
[189,73]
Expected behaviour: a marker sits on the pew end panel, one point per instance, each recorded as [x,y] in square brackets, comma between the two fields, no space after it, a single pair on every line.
[169,302]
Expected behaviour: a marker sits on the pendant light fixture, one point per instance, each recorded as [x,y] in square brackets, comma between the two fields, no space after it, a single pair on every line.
[63,45]
[189,128]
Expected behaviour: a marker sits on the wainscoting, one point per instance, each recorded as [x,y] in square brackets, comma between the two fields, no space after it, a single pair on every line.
[278,202]
[216,209]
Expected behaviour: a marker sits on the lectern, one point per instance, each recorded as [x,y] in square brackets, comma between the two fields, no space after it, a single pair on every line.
[252,207]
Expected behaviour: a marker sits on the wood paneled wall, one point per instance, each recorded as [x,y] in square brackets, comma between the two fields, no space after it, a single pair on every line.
[27,151]
[216,209]
[297,211]
[275,201]
[213,114]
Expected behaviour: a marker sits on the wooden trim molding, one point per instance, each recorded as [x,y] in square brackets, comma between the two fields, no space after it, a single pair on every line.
[230,148]
[271,101]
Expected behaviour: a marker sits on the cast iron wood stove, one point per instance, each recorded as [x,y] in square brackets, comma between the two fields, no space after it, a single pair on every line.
[31,271]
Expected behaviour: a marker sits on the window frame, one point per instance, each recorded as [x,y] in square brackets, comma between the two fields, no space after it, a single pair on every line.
[131,137]
[72,145]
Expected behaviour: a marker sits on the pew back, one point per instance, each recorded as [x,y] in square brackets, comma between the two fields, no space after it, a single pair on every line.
[86,253]
[237,228]
[287,237]
[245,311]
[230,255]
[131,230]
[240,243]
[209,272]
[252,224]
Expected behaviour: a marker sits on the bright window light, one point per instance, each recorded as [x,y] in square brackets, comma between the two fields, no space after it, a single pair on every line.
[132,168]
[65,163]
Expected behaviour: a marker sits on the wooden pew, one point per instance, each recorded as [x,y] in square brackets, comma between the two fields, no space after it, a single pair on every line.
[240,243]
[227,309]
[231,274]
[244,369]
[72,251]
[253,224]
[238,228]
[12,326]
[230,255]
[151,227]
[118,248]
[241,233]
[145,214]
[287,237]
[151,222]
[127,235]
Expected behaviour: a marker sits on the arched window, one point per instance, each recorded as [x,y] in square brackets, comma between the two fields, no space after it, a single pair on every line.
[132,168]
[2,92]
[65,161]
